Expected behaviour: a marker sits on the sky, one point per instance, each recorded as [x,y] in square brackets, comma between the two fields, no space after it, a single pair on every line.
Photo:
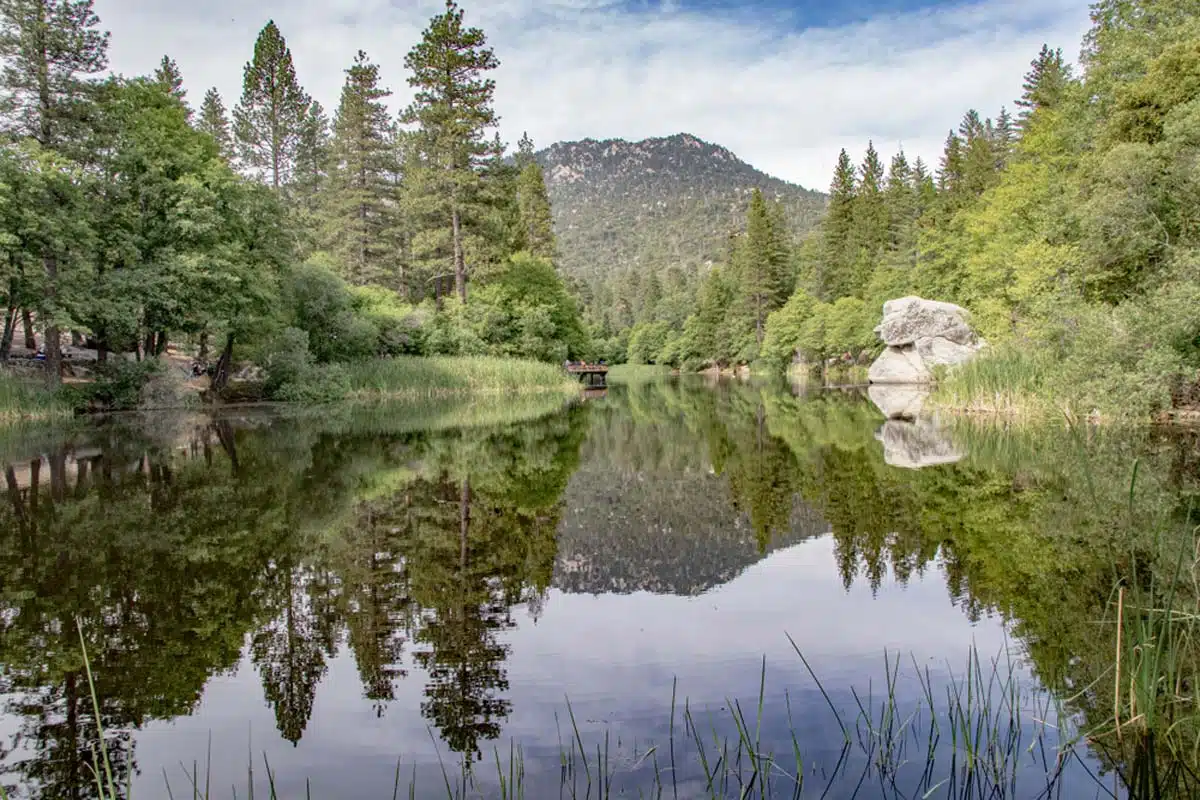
[784,84]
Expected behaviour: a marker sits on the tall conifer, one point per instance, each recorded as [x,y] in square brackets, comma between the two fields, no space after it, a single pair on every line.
[359,202]
[214,121]
[268,120]
[452,110]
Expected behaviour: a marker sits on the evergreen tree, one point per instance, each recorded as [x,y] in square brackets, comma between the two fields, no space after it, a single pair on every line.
[50,49]
[452,110]
[979,154]
[359,203]
[1004,138]
[167,74]
[525,151]
[1045,83]
[267,122]
[833,276]
[310,178]
[533,202]
[762,265]
[923,186]
[214,121]
[949,173]
[902,209]
[870,221]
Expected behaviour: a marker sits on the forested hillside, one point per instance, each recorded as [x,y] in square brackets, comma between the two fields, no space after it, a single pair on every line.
[142,214]
[637,206]
[1068,227]
[640,223]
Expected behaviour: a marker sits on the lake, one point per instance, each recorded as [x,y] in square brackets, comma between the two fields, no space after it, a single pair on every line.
[675,588]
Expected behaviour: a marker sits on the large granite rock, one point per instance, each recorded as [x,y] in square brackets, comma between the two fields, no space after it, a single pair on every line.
[920,335]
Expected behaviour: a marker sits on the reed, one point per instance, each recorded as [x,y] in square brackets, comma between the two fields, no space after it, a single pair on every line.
[24,400]
[411,376]
[1008,382]
[985,732]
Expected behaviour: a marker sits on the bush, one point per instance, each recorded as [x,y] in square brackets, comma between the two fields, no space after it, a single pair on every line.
[118,385]
[292,375]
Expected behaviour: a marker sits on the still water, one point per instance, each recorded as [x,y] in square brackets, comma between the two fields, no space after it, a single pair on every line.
[676,579]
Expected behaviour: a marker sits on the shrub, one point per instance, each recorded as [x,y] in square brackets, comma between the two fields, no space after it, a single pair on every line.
[118,385]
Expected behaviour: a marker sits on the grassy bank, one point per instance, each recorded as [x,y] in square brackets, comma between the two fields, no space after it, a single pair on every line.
[25,400]
[413,376]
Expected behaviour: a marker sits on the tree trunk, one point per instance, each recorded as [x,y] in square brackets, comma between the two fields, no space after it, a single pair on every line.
[149,347]
[460,264]
[220,378]
[10,329]
[160,343]
[202,356]
[53,335]
[27,325]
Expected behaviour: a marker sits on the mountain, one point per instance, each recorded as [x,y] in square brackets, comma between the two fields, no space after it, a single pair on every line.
[655,203]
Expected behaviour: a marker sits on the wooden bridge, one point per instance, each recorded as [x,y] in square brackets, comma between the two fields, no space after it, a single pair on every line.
[590,375]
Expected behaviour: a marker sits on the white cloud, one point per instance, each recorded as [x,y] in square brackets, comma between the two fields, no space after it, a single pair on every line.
[785,102]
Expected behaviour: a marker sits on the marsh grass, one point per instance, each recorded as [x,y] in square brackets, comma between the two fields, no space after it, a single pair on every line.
[984,732]
[414,377]
[1007,382]
[26,400]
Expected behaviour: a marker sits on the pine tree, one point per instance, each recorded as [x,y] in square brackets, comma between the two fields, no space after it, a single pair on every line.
[533,203]
[833,276]
[453,110]
[901,199]
[923,186]
[762,265]
[310,176]
[525,151]
[268,120]
[979,154]
[950,171]
[870,221]
[168,75]
[50,49]
[1004,138]
[1045,83]
[359,204]
[215,122]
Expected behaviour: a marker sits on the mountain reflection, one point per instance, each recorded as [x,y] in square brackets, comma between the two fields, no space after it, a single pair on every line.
[409,536]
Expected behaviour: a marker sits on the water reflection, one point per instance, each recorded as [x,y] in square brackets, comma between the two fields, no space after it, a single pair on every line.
[425,545]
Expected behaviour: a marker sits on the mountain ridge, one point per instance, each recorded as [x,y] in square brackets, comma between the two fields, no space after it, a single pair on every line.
[655,203]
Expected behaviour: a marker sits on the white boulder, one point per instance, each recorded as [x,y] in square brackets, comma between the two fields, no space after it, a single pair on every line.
[920,335]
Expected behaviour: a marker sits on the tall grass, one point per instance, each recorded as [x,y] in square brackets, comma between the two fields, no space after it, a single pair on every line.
[1006,382]
[412,376]
[22,399]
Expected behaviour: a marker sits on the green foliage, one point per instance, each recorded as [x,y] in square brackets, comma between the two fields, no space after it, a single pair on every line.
[268,120]
[294,376]
[118,385]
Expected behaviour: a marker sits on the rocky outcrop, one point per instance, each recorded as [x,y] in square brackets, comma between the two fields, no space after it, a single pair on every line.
[921,335]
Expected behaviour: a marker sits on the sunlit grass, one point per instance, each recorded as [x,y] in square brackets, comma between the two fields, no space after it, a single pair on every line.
[412,376]
[1007,382]
[25,399]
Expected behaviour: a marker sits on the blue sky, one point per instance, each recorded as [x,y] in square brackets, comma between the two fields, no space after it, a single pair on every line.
[785,85]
